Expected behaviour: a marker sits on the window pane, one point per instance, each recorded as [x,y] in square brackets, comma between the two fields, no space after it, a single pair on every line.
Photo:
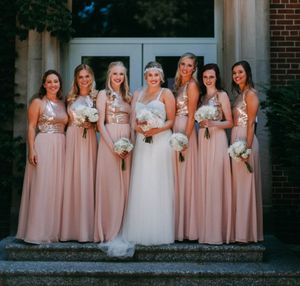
[100,65]
[143,18]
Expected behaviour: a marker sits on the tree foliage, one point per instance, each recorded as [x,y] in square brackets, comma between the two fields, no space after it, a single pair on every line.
[44,15]
[283,105]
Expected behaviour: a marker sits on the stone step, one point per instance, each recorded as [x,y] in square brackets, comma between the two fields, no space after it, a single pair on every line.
[177,252]
[31,273]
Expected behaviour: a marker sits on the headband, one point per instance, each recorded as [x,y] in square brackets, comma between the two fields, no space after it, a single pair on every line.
[154,69]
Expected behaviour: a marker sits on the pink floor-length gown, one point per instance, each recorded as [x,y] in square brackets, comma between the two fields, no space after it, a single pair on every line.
[112,182]
[246,186]
[185,175]
[78,201]
[215,189]
[40,211]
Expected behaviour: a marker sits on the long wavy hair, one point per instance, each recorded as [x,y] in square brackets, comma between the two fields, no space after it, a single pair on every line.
[42,91]
[178,79]
[75,89]
[249,81]
[125,93]
[215,68]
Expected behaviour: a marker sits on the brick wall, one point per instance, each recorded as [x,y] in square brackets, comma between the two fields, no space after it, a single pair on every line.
[285,40]
[285,67]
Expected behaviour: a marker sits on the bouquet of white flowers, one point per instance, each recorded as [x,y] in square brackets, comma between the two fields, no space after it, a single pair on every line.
[149,118]
[206,112]
[86,114]
[238,151]
[123,145]
[178,141]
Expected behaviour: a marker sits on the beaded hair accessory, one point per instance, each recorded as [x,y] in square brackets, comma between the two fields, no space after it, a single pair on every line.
[154,69]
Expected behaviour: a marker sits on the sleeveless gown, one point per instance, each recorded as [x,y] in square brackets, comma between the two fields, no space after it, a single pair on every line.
[112,182]
[149,218]
[78,202]
[247,194]
[215,189]
[41,203]
[185,175]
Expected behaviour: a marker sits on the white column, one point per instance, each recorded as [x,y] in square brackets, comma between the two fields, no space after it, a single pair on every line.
[50,52]
[246,38]
[34,68]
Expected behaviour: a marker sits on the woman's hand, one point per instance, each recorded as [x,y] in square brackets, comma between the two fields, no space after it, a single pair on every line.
[123,155]
[87,125]
[151,132]
[32,158]
[207,123]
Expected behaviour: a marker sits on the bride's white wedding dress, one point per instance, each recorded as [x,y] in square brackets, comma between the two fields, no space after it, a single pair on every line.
[149,218]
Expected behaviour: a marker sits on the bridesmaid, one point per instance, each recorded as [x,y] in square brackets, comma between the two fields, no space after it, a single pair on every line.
[40,212]
[214,174]
[78,203]
[112,182]
[246,185]
[187,95]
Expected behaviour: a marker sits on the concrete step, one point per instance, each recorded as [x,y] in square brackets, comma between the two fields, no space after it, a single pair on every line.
[90,252]
[31,273]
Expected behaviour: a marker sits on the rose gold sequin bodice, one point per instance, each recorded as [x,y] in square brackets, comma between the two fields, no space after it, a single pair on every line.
[53,117]
[117,110]
[80,101]
[240,117]
[182,102]
[213,101]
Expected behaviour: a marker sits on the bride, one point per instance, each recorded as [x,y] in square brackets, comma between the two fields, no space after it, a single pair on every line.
[149,217]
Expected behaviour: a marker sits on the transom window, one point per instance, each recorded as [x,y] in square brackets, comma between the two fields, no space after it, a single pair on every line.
[143,18]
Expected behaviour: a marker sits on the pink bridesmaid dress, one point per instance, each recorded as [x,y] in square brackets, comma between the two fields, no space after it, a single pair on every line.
[112,182]
[40,211]
[185,175]
[246,186]
[215,189]
[78,202]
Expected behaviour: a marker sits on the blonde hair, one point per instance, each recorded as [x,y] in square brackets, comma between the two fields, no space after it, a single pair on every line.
[75,89]
[125,93]
[177,75]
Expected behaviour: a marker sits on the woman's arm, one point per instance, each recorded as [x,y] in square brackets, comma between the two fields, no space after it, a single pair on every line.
[33,117]
[252,102]
[193,98]
[101,106]
[168,99]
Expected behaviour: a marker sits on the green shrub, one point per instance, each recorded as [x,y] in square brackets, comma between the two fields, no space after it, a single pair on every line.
[283,120]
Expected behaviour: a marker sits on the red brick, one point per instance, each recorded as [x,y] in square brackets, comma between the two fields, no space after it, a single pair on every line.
[277,49]
[276,16]
[292,6]
[285,44]
[292,16]
[278,38]
[294,38]
[277,28]
[286,11]
[293,71]
[285,33]
[294,27]
[276,6]
[284,22]
[294,50]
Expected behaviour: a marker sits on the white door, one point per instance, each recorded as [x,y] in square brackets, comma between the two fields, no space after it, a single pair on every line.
[136,53]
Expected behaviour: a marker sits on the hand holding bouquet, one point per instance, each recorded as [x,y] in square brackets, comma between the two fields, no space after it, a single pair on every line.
[149,118]
[238,151]
[178,142]
[87,114]
[206,112]
[123,145]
